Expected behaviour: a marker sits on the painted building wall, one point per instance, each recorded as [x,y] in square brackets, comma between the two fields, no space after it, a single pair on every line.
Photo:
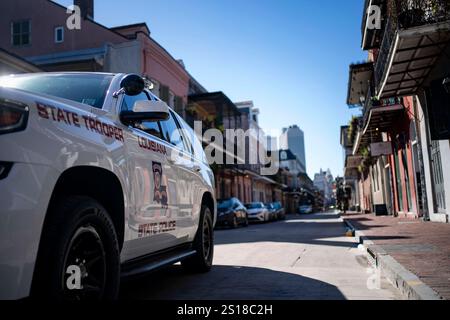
[441,69]
[378,198]
[169,76]
[44,16]
[401,164]
[124,57]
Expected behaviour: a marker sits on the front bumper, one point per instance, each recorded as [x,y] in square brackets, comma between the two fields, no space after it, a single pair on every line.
[257,217]
[225,220]
[24,197]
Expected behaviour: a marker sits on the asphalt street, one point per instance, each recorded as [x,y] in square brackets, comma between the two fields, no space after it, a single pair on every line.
[304,257]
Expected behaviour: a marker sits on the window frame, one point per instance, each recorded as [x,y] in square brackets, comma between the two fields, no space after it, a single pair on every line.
[198,156]
[56,34]
[185,148]
[21,33]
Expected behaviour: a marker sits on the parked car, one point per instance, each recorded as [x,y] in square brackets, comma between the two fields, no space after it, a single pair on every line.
[281,214]
[305,209]
[232,213]
[257,211]
[272,212]
[91,181]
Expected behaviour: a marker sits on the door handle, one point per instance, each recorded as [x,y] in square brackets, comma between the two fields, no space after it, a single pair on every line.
[197,168]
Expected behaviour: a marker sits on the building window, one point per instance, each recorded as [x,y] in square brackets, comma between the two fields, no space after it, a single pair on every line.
[179,105]
[21,33]
[164,93]
[59,34]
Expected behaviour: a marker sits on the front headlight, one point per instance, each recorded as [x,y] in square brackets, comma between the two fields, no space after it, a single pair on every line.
[13,116]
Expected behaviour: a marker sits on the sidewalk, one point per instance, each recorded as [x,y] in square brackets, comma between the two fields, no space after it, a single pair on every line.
[423,248]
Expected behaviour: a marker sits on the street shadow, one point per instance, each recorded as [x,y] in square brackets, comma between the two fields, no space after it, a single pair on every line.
[359,224]
[304,229]
[227,283]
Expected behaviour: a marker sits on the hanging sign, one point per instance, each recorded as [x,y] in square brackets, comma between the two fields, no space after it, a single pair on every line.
[381,149]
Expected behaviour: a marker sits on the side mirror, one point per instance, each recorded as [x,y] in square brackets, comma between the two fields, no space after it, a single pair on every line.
[132,84]
[146,110]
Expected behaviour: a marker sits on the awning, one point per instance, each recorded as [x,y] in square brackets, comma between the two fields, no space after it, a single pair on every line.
[353,161]
[94,54]
[265,179]
[14,64]
[359,80]
[351,173]
[378,119]
[413,55]
[214,103]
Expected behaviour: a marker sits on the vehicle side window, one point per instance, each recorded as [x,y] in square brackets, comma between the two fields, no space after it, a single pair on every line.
[184,133]
[171,133]
[152,128]
[197,147]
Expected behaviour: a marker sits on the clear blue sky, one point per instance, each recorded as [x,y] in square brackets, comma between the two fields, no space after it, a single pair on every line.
[290,57]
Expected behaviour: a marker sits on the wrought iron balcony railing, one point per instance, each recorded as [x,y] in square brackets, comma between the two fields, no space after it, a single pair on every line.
[383,55]
[413,13]
[405,14]
[372,102]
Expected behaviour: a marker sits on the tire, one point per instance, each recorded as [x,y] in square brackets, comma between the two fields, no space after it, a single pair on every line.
[203,245]
[246,223]
[235,223]
[79,234]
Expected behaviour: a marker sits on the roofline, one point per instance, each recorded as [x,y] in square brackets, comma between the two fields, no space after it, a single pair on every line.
[113,29]
[21,59]
[159,45]
[196,82]
[132,25]
[88,19]
[68,72]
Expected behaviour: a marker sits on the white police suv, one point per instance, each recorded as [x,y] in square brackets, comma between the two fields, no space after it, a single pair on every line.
[99,180]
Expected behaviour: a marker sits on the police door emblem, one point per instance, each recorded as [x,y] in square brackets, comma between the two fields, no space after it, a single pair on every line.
[160,192]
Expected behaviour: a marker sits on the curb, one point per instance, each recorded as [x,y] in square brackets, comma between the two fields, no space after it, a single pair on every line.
[410,286]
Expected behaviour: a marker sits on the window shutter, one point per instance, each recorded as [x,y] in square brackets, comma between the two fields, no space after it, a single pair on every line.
[179,105]
[164,93]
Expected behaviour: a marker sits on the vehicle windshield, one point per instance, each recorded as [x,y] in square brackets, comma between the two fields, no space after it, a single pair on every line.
[225,204]
[254,206]
[88,89]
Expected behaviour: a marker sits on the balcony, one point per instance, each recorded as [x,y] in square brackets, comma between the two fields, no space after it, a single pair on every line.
[416,32]
[378,116]
[351,162]
[360,78]
[371,37]
[215,111]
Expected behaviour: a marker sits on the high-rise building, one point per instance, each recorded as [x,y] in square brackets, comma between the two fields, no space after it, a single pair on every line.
[272,143]
[324,182]
[293,138]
